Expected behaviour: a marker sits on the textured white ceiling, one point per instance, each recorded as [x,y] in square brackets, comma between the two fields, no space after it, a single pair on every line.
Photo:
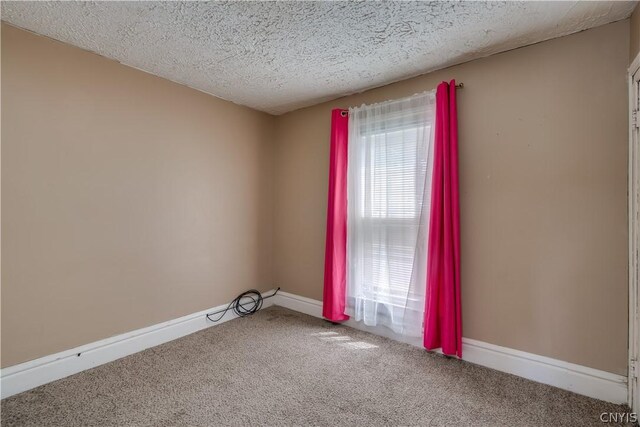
[278,57]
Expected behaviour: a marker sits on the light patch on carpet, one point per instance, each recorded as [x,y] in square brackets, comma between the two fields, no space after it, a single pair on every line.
[274,368]
[360,345]
[337,338]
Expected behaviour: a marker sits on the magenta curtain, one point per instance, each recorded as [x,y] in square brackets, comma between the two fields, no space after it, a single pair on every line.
[443,319]
[335,260]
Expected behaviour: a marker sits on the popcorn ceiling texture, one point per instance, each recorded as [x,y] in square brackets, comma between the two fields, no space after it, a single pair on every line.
[277,57]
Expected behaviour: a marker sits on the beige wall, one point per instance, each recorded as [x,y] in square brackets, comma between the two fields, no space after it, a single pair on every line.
[187,221]
[634,34]
[127,200]
[543,176]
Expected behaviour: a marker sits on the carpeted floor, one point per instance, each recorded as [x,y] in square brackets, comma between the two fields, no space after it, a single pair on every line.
[279,367]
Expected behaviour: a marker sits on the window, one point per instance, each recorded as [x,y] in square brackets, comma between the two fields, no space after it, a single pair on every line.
[389,187]
[389,182]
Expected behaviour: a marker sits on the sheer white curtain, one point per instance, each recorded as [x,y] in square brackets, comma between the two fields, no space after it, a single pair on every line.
[388,192]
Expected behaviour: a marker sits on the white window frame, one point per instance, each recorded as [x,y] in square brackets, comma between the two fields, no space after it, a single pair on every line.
[634,234]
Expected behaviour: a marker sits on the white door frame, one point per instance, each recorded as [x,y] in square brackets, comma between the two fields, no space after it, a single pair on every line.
[634,233]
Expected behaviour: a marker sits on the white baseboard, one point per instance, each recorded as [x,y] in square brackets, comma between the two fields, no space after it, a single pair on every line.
[25,376]
[568,376]
[579,379]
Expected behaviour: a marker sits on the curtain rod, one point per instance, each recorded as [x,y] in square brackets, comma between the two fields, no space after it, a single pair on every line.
[458,86]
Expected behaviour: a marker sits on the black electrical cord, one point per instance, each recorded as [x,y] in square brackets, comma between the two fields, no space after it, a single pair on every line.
[243,309]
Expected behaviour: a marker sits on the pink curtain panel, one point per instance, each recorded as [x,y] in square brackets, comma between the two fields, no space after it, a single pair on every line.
[335,260]
[443,318]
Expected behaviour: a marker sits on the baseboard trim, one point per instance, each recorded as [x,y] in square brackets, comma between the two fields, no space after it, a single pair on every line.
[25,376]
[568,376]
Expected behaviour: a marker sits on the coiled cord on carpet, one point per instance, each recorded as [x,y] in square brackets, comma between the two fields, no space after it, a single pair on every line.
[243,309]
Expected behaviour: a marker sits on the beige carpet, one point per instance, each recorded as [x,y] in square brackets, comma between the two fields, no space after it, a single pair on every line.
[279,367]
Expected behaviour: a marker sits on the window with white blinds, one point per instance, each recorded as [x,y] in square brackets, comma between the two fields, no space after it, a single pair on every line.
[389,183]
